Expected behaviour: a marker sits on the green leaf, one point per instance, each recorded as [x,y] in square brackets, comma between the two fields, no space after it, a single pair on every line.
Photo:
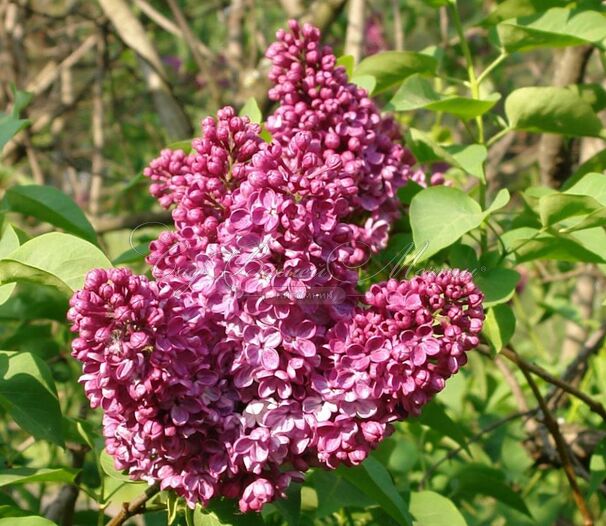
[469,158]
[367,82]
[26,521]
[228,515]
[27,392]
[34,302]
[557,27]
[463,256]
[432,509]
[529,244]
[55,259]
[591,184]
[477,479]
[593,94]
[31,475]
[551,110]
[348,62]
[184,145]
[391,67]
[555,208]
[418,93]
[594,164]
[50,205]
[6,510]
[499,326]
[109,468]
[374,480]
[519,8]
[334,493]
[435,417]
[439,216]
[252,111]
[597,467]
[9,241]
[11,124]
[201,518]
[290,507]
[500,200]
[172,506]
[497,284]
[408,191]
[132,255]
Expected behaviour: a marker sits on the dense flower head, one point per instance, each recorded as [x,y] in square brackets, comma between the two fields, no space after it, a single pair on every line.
[251,356]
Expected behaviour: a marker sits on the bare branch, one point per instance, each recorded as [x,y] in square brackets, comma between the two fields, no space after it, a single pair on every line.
[514,357]
[192,43]
[133,34]
[561,446]
[555,154]
[354,37]
[97,129]
[398,28]
[135,507]
[52,70]
[169,26]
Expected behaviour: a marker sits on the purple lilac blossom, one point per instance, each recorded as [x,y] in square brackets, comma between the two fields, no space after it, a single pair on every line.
[217,378]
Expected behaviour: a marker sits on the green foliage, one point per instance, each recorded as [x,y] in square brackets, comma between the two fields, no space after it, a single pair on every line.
[391,67]
[552,110]
[55,259]
[417,93]
[28,393]
[432,509]
[439,216]
[50,205]
[372,479]
[11,124]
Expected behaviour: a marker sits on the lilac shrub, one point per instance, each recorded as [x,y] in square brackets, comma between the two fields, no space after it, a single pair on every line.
[252,356]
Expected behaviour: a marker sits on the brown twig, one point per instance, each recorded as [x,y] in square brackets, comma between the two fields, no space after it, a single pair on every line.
[169,26]
[561,445]
[192,44]
[398,28]
[134,507]
[514,357]
[131,32]
[556,155]
[354,38]
[578,367]
[97,129]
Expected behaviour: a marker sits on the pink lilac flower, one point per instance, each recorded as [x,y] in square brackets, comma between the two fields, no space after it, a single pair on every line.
[221,377]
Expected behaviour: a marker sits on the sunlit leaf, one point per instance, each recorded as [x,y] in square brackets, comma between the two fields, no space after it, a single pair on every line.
[50,205]
[551,110]
[418,93]
[391,67]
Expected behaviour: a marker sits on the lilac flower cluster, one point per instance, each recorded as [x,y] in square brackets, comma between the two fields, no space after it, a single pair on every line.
[232,372]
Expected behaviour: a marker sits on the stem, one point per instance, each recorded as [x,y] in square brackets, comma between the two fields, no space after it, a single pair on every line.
[497,136]
[475,93]
[514,357]
[484,75]
[473,80]
[561,446]
[135,507]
